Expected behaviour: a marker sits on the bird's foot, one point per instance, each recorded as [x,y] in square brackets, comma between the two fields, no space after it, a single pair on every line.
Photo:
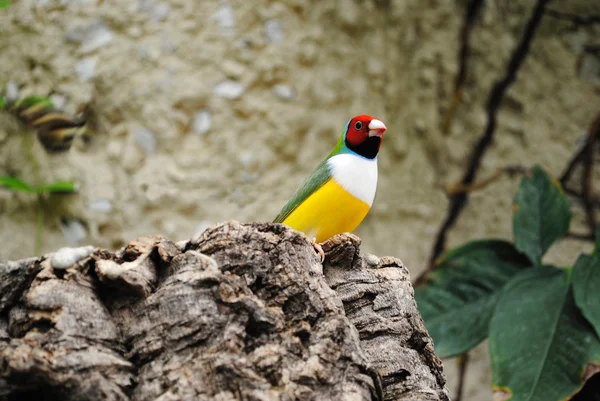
[319,249]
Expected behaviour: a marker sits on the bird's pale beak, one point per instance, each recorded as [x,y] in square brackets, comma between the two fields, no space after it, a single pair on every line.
[376,128]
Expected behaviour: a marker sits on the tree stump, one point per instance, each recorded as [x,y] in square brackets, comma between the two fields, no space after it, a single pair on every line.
[244,312]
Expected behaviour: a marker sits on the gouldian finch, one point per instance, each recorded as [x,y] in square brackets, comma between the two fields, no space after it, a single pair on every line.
[340,191]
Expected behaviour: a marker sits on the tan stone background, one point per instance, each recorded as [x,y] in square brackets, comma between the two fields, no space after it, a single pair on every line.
[214,110]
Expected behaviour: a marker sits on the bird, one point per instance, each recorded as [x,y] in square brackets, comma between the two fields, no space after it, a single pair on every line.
[340,191]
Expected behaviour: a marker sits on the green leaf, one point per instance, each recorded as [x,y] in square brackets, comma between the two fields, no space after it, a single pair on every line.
[4,3]
[58,187]
[32,100]
[586,287]
[2,101]
[541,346]
[16,184]
[458,299]
[542,214]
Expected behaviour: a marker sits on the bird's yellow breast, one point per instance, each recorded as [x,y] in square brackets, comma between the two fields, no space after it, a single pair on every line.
[330,210]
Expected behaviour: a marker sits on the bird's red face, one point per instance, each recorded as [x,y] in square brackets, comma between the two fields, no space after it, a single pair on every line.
[364,135]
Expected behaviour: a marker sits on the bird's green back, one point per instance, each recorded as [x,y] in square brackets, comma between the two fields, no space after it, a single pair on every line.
[316,180]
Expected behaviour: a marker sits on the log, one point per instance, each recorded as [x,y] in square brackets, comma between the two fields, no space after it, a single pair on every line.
[242,312]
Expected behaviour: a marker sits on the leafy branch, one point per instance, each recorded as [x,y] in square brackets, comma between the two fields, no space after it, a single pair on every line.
[459,200]
[543,322]
[459,192]
[55,131]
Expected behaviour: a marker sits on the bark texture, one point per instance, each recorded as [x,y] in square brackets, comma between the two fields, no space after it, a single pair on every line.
[244,312]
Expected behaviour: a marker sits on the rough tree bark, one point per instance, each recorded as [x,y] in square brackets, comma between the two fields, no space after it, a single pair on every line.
[244,312]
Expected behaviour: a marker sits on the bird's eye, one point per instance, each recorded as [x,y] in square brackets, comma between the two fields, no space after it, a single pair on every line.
[358,125]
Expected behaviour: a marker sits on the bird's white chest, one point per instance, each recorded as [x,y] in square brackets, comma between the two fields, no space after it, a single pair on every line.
[355,174]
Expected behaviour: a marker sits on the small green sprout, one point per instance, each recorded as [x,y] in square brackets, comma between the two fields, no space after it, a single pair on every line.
[58,187]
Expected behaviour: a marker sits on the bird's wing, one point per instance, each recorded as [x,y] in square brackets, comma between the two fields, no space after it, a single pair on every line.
[316,180]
